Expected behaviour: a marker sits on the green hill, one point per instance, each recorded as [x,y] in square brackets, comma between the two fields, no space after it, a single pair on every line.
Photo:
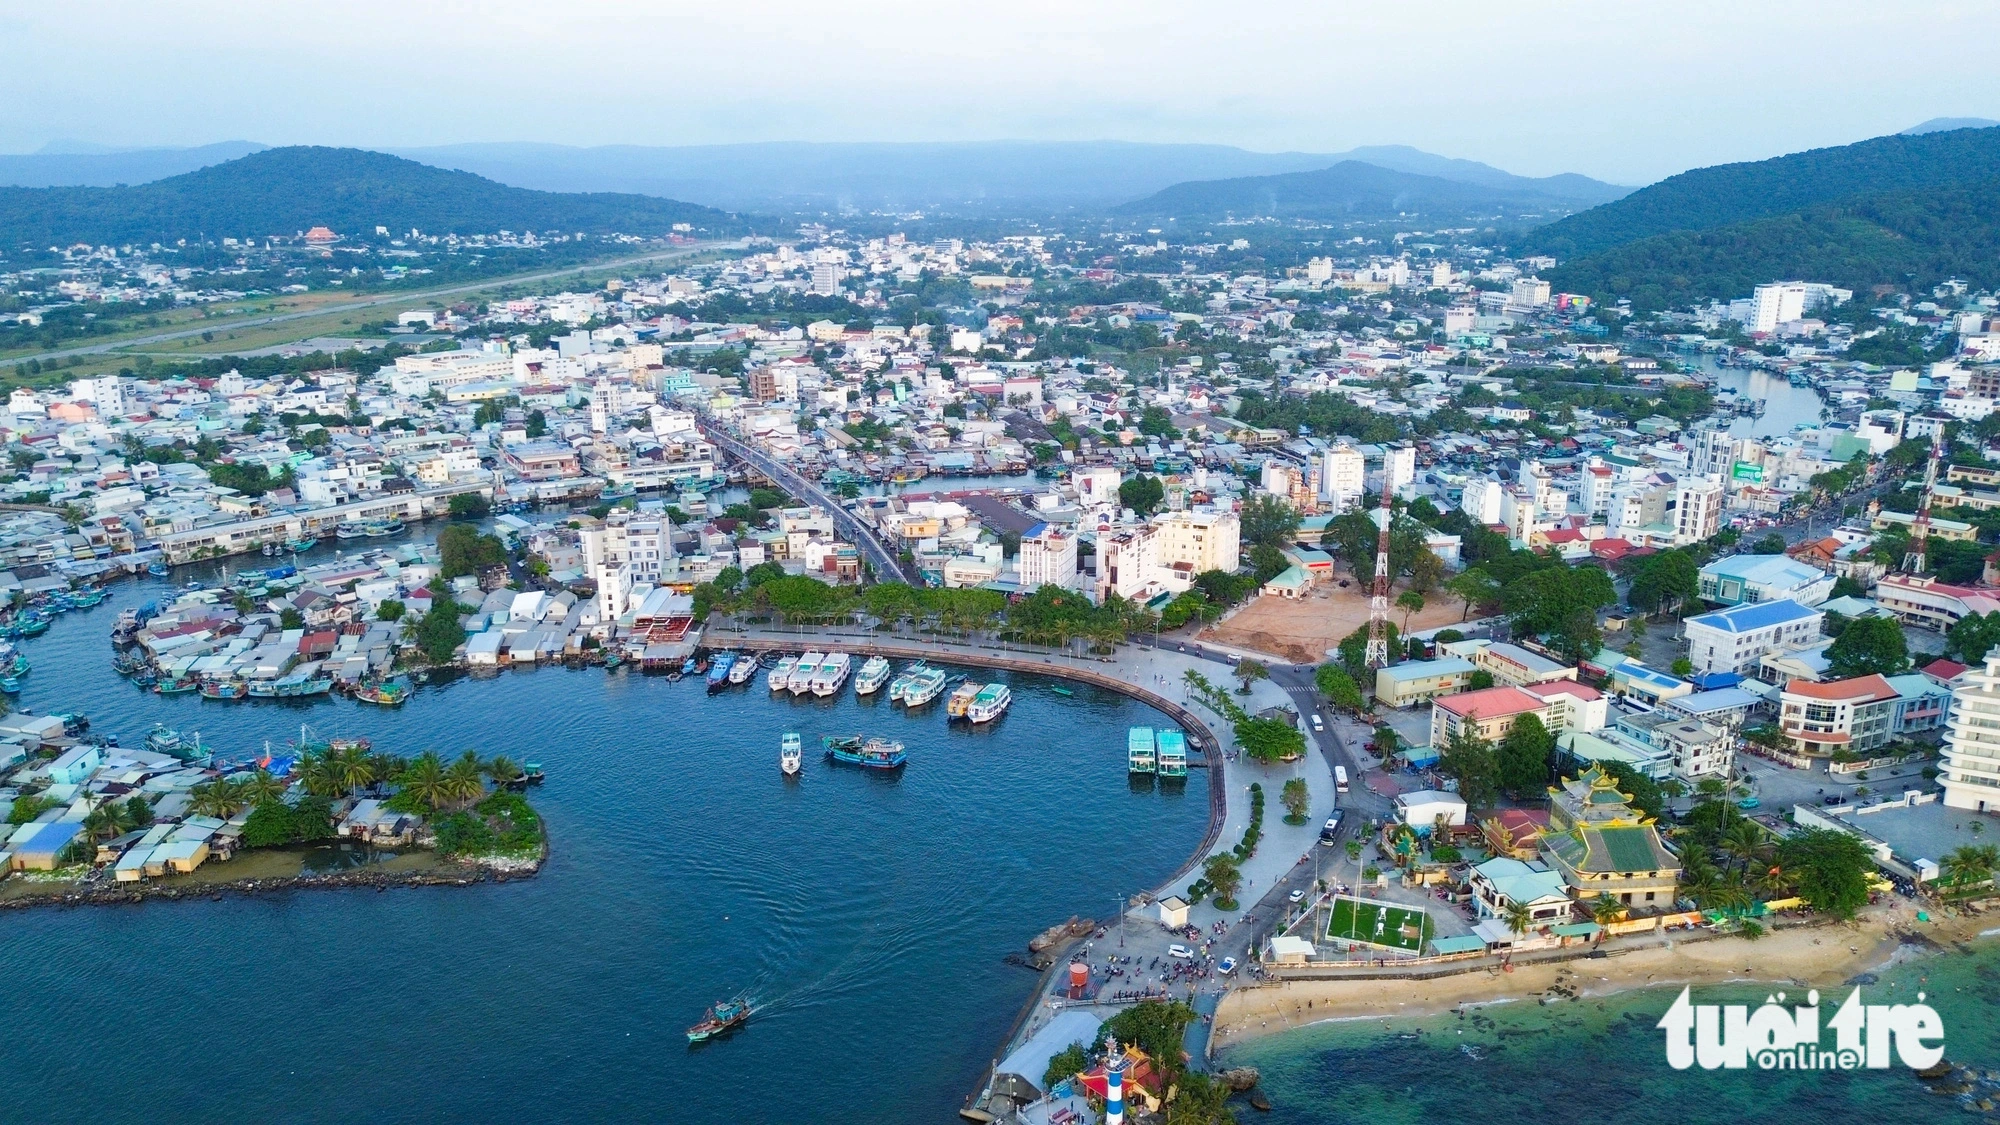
[1348,190]
[283,191]
[1710,198]
[1904,239]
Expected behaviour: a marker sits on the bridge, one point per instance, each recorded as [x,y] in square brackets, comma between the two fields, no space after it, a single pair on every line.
[884,561]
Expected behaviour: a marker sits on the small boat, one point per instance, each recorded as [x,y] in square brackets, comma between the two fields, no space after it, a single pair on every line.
[391,693]
[297,686]
[924,687]
[991,702]
[126,665]
[18,666]
[741,671]
[868,753]
[145,678]
[872,675]
[376,529]
[158,570]
[90,599]
[832,675]
[1061,690]
[74,724]
[789,754]
[900,686]
[689,666]
[954,708]
[11,684]
[263,689]
[781,675]
[725,1016]
[613,660]
[224,689]
[269,550]
[177,685]
[531,772]
[719,667]
[303,543]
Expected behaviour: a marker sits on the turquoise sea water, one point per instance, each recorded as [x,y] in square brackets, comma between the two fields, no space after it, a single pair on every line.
[872,912]
[1606,1057]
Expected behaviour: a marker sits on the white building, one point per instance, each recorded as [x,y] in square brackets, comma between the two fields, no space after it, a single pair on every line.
[1047,557]
[1126,560]
[1971,774]
[1529,293]
[1735,639]
[1199,541]
[1343,476]
[1697,509]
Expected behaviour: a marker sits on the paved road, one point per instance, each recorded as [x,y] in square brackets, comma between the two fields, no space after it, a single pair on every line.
[400,298]
[884,561]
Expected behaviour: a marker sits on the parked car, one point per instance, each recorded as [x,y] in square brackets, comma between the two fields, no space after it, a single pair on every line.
[1748,803]
[1835,799]
[1180,952]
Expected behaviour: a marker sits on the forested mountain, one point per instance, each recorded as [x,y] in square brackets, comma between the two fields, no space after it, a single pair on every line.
[1710,198]
[1348,190]
[1906,239]
[283,191]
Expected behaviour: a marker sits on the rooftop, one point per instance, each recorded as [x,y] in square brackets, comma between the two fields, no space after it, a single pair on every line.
[1491,703]
[1767,570]
[1859,689]
[1755,615]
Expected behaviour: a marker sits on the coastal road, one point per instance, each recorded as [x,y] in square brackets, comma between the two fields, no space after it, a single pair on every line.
[871,546]
[399,298]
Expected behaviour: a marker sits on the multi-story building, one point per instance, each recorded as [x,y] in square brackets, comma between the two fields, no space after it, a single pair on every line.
[1512,664]
[1857,715]
[1343,476]
[1696,749]
[1489,713]
[1047,557]
[1971,774]
[1199,541]
[1126,558]
[1735,639]
[1736,579]
[1603,846]
[1697,509]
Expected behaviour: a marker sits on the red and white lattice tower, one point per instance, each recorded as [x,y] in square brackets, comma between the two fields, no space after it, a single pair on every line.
[1920,529]
[1378,601]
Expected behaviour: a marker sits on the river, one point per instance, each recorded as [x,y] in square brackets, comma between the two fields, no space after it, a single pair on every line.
[1785,406]
[871,912]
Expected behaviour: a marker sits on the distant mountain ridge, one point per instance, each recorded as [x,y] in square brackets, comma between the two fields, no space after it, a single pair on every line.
[71,165]
[282,191]
[1350,189]
[1719,196]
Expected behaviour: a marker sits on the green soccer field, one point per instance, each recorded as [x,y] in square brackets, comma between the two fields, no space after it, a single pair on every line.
[1402,928]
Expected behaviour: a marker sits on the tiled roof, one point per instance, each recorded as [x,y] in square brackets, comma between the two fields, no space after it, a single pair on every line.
[1490,703]
[1859,689]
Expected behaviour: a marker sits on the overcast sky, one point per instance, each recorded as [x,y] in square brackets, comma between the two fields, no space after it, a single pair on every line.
[1625,91]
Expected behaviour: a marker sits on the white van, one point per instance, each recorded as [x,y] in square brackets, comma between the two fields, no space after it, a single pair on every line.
[1318,726]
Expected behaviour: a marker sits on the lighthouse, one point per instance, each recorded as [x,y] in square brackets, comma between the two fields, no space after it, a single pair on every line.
[1114,1083]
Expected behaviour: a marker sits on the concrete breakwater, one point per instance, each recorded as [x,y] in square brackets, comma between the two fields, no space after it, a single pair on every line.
[447,874]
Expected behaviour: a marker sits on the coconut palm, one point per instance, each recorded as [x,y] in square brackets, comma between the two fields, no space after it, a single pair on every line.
[219,798]
[465,778]
[1744,842]
[1970,863]
[261,786]
[320,774]
[1518,917]
[1730,893]
[354,768]
[424,780]
[107,820]
[1605,910]
[503,771]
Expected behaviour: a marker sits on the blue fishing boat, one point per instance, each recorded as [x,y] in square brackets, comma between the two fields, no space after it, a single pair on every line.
[159,570]
[10,684]
[724,1017]
[718,670]
[868,753]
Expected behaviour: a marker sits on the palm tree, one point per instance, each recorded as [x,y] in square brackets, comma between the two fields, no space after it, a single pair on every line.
[1732,893]
[1605,910]
[219,798]
[1744,842]
[1970,863]
[1518,917]
[424,780]
[106,820]
[354,768]
[320,774]
[503,771]
[1698,877]
[260,787]
[465,778]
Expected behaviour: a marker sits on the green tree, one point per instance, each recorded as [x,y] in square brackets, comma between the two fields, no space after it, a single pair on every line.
[1268,521]
[1338,687]
[390,610]
[1970,864]
[1523,760]
[1224,876]
[1248,672]
[1770,543]
[469,505]
[424,782]
[1142,494]
[463,550]
[1868,645]
[1973,636]
[1471,760]
[1270,740]
[439,632]
[1409,601]
[1664,582]
[1297,800]
[1830,868]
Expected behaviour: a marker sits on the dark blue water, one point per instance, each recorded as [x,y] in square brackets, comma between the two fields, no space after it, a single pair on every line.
[871,911]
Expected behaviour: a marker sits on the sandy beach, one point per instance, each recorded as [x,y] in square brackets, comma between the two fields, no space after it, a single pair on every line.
[1805,955]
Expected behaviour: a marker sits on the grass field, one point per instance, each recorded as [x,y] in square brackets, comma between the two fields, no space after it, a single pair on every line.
[1401,928]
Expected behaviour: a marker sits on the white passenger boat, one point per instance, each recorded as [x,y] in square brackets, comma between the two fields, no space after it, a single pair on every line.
[789,754]
[874,672]
[802,676]
[989,704]
[832,674]
[781,675]
[741,671]
[923,687]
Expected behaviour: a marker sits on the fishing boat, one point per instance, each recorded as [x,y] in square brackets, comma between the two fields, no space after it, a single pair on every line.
[224,689]
[719,667]
[872,675]
[802,675]
[390,693]
[125,664]
[832,674]
[376,529]
[158,570]
[725,1016]
[269,550]
[349,530]
[126,627]
[789,754]
[955,707]
[1139,751]
[263,689]
[302,543]
[868,753]
[179,684]
[18,666]
[741,671]
[299,685]
[531,772]
[90,599]
[781,674]
[924,687]
[12,685]
[1172,753]
[991,702]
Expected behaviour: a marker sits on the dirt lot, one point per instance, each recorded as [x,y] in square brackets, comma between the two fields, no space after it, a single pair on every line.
[1301,632]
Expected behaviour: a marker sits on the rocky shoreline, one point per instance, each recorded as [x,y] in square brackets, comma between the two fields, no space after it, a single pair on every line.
[452,874]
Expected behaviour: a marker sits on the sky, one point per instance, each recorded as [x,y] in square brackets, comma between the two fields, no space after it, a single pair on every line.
[1627,91]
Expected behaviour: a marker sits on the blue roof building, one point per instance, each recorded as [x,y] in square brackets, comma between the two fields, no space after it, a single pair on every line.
[1736,579]
[1734,640]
